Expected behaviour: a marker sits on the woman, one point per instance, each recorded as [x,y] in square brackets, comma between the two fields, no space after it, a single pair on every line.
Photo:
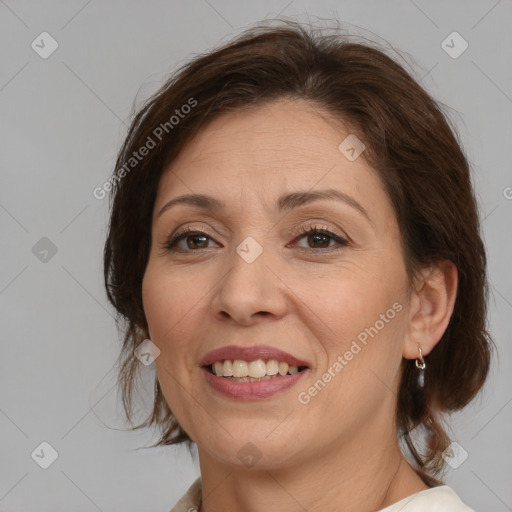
[294,237]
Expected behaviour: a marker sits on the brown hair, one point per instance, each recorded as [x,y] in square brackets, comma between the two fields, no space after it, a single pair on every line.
[409,142]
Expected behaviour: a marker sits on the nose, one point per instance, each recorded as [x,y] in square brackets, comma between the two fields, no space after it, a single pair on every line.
[249,290]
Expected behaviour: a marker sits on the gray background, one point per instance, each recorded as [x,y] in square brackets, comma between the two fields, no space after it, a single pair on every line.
[63,119]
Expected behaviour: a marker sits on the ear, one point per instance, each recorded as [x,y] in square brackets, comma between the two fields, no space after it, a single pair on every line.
[431,307]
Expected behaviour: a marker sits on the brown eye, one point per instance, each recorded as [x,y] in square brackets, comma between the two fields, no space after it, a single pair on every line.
[320,238]
[194,240]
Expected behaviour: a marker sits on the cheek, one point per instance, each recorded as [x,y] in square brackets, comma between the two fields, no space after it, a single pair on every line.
[350,302]
[360,328]
[168,302]
[360,317]
[168,297]
[169,305]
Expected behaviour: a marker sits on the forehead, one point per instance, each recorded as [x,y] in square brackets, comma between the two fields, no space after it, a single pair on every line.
[262,152]
[277,133]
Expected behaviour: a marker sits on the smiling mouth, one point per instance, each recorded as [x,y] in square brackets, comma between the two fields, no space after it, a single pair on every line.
[252,371]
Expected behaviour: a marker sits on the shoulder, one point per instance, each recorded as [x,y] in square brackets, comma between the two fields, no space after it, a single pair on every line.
[436,499]
[191,500]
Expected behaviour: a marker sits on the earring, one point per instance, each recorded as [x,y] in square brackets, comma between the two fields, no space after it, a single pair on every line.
[421,365]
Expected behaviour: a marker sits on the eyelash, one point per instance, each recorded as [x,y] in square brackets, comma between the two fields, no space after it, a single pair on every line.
[169,245]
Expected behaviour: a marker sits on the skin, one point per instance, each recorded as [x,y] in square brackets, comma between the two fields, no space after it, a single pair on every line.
[339,451]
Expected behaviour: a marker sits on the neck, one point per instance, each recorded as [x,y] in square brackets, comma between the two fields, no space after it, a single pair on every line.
[357,478]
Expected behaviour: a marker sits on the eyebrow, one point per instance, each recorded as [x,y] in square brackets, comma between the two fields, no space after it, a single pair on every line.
[286,202]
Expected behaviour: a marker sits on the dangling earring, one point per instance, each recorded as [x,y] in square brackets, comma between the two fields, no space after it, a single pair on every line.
[421,365]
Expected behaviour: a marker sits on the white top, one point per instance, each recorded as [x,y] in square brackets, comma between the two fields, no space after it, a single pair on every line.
[435,499]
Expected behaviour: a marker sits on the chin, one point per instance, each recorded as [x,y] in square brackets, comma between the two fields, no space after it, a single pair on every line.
[251,451]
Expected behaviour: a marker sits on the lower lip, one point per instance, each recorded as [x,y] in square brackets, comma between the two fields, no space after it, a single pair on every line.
[251,390]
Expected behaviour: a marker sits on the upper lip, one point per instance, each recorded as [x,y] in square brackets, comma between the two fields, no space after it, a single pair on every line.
[253,353]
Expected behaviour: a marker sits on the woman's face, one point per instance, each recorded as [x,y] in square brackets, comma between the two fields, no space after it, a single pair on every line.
[252,279]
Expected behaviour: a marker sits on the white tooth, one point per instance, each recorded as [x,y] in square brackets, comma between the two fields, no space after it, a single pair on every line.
[283,368]
[292,370]
[217,368]
[227,368]
[257,368]
[240,368]
[272,367]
